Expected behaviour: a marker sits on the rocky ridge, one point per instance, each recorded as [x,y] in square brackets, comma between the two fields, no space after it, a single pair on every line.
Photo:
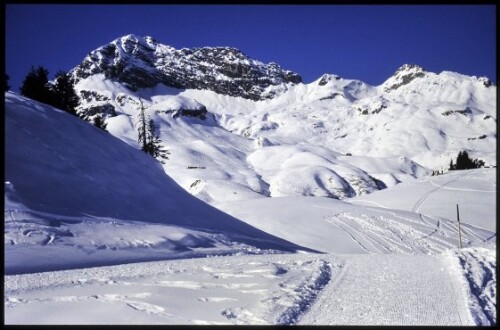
[142,62]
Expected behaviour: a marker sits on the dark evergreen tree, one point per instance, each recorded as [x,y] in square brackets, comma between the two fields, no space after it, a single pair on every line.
[36,85]
[65,97]
[99,122]
[149,141]
[7,87]
[153,145]
[464,162]
[452,167]
[142,129]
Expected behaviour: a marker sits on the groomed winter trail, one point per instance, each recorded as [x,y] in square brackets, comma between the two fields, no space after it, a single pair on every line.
[378,289]
[279,289]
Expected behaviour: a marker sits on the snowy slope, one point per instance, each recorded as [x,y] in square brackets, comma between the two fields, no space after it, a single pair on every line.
[265,290]
[335,166]
[382,245]
[340,227]
[473,190]
[205,153]
[350,138]
[81,197]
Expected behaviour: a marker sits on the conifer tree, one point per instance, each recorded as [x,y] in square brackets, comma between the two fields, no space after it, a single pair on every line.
[143,139]
[35,85]
[464,162]
[149,141]
[153,146]
[65,97]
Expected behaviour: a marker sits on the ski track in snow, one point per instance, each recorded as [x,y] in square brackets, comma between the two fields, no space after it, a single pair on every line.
[390,290]
[374,289]
[438,187]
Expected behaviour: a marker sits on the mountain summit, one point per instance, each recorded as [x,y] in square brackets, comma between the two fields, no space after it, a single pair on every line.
[142,62]
[403,76]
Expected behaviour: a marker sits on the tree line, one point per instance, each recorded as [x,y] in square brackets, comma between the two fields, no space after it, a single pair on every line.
[59,94]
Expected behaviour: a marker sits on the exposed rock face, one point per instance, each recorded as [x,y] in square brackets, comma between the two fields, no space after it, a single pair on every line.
[327,78]
[106,109]
[403,76]
[181,106]
[138,62]
[486,82]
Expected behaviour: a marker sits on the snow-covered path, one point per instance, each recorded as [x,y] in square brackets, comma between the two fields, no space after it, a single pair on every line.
[260,289]
[308,289]
[392,290]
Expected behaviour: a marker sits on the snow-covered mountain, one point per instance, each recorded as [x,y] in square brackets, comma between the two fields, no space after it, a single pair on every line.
[75,195]
[271,135]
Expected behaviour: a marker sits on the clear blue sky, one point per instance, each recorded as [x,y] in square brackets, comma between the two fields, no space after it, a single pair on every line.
[365,42]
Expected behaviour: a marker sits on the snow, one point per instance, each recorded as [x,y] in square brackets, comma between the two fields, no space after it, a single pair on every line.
[289,289]
[437,196]
[333,226]
[172,103]
[391,290]
[85,198]
[394,136]
[322,208]
[478,269]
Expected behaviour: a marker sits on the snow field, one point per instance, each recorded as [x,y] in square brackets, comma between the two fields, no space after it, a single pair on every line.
[237,290]
[414,122]
[304,289]
[72,200]
[473,190]
[334,226]
[37,242]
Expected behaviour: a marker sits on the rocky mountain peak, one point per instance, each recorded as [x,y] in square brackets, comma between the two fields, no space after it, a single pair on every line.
[403,76]
[409,68]
[142,62]
[326,78]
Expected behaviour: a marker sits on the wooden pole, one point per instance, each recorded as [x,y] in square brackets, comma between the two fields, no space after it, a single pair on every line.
[459,231]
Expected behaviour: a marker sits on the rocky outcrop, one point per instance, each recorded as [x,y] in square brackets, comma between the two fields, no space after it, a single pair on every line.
[403,76]
[138,62]
[180,106]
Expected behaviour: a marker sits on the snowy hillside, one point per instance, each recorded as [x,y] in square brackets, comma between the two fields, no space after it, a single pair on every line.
[412,218]
[473,190]
[333,137]
[74,199]
[77,196]
[281,203]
